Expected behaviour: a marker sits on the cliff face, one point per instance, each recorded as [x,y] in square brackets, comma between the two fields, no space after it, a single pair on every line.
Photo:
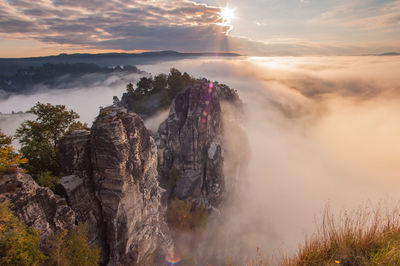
[37,206]
[112,185]
[191,144]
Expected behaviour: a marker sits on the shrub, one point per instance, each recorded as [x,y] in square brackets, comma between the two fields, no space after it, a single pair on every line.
[46,179]
[183,215]
[72,248]
[19,244]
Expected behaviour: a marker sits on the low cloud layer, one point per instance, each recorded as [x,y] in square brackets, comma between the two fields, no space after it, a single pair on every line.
[320,130]
[85,95]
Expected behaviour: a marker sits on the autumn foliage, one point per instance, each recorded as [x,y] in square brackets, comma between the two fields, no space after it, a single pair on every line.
[9,159]
[19,244]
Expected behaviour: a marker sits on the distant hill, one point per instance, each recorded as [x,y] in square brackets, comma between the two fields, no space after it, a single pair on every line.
[9,66]
[384,54]
[389,54]
[56,75]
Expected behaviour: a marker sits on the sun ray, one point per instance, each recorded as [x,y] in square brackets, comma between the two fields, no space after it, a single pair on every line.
[227,14]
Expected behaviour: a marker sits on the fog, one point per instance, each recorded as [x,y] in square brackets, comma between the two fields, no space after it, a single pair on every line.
[84,96]
[320,130]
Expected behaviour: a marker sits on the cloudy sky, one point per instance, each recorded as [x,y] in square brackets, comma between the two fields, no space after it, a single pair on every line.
[258,27]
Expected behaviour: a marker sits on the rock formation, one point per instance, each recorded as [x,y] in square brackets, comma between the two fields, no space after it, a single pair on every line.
[111,174]
[112,186]
[191,143]
[37,206]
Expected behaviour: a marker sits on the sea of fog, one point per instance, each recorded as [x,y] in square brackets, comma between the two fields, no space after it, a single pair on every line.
[321,131]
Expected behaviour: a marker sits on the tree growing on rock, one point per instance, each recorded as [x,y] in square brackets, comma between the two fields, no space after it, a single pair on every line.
[129,89]
[39,138]
[160,82]
[145,85]
[177,81]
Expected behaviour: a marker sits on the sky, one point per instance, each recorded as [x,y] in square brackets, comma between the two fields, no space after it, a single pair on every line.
[257,27]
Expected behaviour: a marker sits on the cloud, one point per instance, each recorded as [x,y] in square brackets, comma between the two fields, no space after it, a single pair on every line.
[114,24]
[174,25]
[363,15]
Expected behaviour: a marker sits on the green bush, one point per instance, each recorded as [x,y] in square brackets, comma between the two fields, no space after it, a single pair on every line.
[46,179]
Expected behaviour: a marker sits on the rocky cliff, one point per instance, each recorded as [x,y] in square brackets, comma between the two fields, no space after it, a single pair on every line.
[191,144]
[37,206]
[112,186]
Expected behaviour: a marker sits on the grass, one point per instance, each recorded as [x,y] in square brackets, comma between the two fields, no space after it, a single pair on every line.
[363,237]
[366,236]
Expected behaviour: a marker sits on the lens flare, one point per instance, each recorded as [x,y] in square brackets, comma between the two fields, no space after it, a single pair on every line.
[173,260]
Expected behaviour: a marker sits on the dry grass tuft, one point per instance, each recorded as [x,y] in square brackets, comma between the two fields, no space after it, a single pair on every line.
[363,237]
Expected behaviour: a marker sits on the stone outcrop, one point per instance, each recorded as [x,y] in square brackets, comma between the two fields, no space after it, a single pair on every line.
[37,206]
[78,188]
[112,186]
[191,143]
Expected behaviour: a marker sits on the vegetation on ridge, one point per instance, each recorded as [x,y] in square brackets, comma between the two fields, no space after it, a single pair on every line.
[39,139]
[19,244]
[152,94]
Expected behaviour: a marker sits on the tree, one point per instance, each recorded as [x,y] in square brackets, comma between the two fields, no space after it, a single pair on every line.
[8,158]
[72,248]
[160,82]
[144,85]
[19,244]
[39,138]
[4,139]
[175,81]
[129,89]
[115,100]
[187,80]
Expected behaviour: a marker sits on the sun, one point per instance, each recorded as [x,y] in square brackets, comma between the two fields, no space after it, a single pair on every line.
[227,14]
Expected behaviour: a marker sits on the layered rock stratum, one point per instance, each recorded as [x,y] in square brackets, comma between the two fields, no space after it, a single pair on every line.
[112,185]
[37,206]
[191,143]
